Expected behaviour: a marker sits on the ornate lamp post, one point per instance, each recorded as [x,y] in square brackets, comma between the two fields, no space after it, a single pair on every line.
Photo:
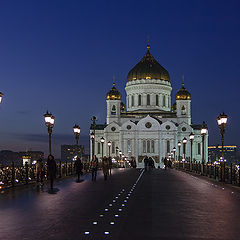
[92,135]
[203,133]
[174,153]
[191,137]
[222,122]
[49,121]
[102,142]
[184,151]
[94,119]
[1,96]
[109,147]
[179,150]
[76,132]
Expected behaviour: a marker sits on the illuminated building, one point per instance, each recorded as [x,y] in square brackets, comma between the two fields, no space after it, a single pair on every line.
[69,152]
[230,154]
[150,125]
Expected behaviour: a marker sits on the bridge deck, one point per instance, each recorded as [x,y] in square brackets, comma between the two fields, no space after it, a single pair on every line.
[160,205]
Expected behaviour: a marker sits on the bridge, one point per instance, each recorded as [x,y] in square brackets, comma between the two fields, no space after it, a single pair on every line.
[131,204]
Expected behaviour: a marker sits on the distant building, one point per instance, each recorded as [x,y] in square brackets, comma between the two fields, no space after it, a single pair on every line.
[33,156]
[69,152]
[230,153]
[8,157]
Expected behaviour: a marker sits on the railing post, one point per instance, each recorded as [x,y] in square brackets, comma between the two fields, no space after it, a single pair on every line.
[26,171]
[239,176]
[13,174]
[231,173]
[60,169]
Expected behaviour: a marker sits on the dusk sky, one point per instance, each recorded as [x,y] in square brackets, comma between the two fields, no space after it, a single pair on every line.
[61,55]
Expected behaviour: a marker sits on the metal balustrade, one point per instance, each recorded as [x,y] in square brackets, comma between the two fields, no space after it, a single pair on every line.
[232,172]
[12,176]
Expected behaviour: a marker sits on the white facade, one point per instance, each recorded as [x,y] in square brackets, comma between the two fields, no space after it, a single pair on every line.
[149,127]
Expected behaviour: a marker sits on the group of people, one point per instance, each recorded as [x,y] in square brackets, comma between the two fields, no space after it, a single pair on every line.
[78,165]
[148,163]
[106,167]
[167,163]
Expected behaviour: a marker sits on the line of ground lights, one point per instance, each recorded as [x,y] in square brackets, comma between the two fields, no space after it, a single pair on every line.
[115,200]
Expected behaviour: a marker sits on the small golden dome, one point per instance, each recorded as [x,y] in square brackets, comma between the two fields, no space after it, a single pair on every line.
[174,107]
[114,94]
[122,107]
[183,94]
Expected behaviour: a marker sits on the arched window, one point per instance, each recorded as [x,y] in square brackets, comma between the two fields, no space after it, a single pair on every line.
[168,146]
[113,147]
[148,146]
[148,99]
[152,146]
[199,148]
[144,146]
[157,100]
[129,145]
[128,102]
[139,100]
[164,101]
[183,110]
[98,148]
[132,101]
[113,112]
[168,101]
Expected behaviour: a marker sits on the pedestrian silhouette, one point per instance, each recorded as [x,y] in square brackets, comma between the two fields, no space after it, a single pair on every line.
[94,167]
[105,167]
[78,167]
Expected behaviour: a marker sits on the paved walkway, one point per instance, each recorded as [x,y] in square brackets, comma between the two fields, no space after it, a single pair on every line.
[131,205]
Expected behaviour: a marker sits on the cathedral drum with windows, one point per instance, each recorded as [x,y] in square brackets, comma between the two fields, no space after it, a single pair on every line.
[150,125]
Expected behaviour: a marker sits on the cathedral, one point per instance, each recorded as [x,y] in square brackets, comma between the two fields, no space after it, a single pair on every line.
[149,125]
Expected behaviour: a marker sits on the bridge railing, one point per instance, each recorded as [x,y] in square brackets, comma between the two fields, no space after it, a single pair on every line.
[12,176]
[231,173]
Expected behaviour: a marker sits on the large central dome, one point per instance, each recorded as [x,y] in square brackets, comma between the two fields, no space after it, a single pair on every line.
[148,68]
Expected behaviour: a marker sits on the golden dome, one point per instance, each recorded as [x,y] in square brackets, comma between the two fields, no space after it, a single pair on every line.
[114,94]
[148,68]
[183,94]
[122,107]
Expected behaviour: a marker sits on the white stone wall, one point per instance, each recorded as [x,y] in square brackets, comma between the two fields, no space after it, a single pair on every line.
[151,87]
[159,133]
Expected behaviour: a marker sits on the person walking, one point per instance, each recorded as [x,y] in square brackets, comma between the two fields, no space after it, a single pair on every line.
[40,171]
[110,165]
[146,163]
[94,167]
[78,167]
[105,167]
[165,163]
[52,168]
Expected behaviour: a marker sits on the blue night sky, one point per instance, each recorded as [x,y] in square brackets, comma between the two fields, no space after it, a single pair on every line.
[61,56]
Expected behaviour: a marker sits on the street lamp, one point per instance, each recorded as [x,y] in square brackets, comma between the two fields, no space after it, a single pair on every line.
[191,137]
[109,146]
[184,151]
[222,122]
[49,122]
[76,132]
[174,153]
[102,142]
[179,149]
[1,96]
[184,147]
[92,136]
[94,119]
[203,133]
